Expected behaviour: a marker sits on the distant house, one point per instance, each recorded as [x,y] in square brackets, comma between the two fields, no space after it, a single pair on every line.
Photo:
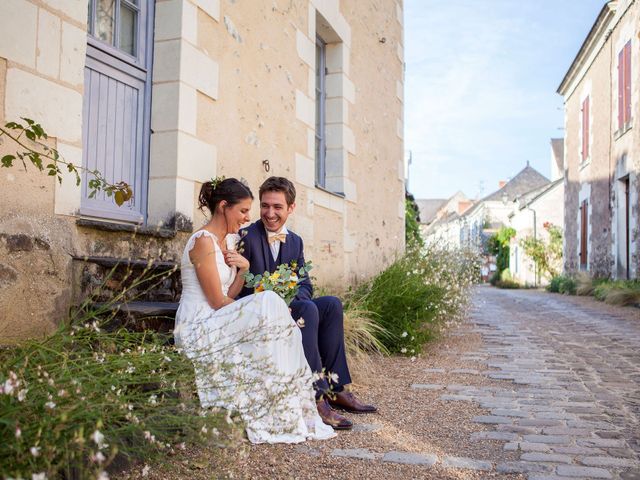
[491,213]
[438,218]
[601,149]
[533,210]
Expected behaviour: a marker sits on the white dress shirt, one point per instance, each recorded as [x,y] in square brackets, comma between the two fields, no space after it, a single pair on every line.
[275,246]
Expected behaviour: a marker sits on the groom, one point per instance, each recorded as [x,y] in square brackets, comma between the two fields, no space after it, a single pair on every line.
[267,244]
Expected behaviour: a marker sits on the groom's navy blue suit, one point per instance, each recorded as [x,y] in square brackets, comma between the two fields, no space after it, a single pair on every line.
[323,331]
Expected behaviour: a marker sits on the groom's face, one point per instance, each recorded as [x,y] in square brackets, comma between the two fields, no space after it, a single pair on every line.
[274,210]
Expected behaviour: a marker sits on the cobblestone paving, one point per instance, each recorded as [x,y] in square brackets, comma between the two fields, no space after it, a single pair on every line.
[571,401]
[570,404]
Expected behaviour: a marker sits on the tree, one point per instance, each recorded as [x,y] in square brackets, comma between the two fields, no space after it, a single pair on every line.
[546,254]
[412,221]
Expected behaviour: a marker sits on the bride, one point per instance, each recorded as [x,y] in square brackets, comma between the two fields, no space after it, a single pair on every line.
[247,353]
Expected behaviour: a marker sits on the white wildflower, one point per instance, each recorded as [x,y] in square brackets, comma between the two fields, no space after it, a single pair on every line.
[39,476]
[50,405]
[333,377]
[404,334]
[403,350]
[167,359]
[22,394]
[35,451]
[204,429]
[98,457]
[18,432]
[98,439]
[153,400]
[102,476]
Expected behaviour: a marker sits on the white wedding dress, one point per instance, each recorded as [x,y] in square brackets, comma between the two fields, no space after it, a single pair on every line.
[248,357]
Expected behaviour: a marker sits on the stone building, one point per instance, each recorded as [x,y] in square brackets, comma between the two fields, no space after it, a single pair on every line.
[166,94]
[601,159]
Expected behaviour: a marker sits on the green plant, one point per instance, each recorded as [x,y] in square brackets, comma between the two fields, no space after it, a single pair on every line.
[546,254]
[412,222]
[41,156]
[285,281]
[508,284]
[498,245]
[418,294]
[624,293]
[562,284]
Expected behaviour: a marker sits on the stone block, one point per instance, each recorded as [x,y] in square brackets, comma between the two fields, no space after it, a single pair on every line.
[601,442]
[68,195]
[49,38]
[306,49]
[467,463]
[492,419]
[176,19]
[503,412]
[361,453]
[57,108]
[526,447]
[337,110]
[545,457]
[602,461]
[76,9]
[168,196]
[523,467]
[305,171]
[501,436]
[427,386]
[305,109]
[408,458]
[537,422]
[73,53]
[174,107]
[178,154]
[576,471]
[18,24]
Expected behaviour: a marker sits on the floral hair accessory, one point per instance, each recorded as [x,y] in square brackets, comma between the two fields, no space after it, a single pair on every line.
[216,181]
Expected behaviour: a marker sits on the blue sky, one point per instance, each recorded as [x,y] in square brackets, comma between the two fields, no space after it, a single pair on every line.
[480,88]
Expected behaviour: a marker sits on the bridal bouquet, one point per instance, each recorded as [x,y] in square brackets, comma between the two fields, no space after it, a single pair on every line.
[284,281]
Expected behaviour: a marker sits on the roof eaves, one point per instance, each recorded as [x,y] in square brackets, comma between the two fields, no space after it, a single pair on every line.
[597,30]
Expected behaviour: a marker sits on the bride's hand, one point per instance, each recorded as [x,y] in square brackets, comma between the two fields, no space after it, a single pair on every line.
[234,259]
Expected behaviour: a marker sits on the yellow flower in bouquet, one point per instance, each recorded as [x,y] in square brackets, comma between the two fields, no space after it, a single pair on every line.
[284,281]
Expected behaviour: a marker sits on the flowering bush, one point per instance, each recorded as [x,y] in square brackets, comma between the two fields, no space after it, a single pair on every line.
[284,281]
[418,294]
[546,254]
[73,402]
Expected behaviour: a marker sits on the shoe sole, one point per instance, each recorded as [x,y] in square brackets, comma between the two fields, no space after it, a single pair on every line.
[357,412]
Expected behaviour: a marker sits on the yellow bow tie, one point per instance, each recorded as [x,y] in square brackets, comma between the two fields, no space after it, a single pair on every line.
[282,237]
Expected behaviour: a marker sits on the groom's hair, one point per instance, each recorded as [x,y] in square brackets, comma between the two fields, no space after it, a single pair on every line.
[279,184]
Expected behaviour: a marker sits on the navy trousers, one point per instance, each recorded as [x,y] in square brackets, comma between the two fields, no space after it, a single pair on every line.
[323,339]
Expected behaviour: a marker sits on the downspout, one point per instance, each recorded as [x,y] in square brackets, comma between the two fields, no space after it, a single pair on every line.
[535,238]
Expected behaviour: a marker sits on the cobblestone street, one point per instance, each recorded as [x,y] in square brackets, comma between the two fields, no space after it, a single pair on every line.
[571,406]
[532,386]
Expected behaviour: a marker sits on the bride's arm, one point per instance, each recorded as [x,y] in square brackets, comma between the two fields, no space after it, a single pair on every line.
[203,258]
[234,258]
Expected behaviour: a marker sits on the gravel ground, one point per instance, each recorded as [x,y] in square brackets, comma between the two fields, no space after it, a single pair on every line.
[410,420]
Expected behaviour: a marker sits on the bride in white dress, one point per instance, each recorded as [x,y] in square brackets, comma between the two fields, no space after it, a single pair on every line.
[247,353]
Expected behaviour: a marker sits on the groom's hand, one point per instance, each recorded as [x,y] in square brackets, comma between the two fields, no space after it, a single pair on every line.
[235,259]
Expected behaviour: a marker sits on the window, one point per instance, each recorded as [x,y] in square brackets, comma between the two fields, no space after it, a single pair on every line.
[584,219]
[321,97]
[585,129]
[115,22]
[624,87]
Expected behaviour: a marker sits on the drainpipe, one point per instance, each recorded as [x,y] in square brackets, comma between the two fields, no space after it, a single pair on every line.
[535,237]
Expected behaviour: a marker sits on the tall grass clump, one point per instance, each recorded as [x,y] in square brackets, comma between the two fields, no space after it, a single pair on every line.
[95,395]
[73,402]
[416,295]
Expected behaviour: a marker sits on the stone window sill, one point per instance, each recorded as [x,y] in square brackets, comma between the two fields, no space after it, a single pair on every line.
[335,194]
[619,133]
[123,227]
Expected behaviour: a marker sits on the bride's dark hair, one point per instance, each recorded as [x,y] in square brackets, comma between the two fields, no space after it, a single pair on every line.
[214,191]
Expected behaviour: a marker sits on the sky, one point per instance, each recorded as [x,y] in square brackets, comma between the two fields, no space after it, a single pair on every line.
[480,88]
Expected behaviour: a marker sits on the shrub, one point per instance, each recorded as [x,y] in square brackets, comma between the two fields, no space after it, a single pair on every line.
[73,402]
[413,297]
[508,284]
[624,293]
[562,284]
[495,278]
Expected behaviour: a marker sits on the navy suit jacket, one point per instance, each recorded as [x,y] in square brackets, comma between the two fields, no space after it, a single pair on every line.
[256,250]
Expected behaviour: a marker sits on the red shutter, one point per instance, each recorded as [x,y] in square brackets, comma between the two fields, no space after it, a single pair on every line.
[585,129]
[620,90]
[627,83]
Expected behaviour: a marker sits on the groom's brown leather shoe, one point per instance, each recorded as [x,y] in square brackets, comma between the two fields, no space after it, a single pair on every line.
[331,417]
[348,401]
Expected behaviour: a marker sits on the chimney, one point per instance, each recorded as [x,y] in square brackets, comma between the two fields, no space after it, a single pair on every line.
[501,183]
[463,205]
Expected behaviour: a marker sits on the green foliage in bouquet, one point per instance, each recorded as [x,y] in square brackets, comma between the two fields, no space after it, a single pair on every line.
[285,281]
